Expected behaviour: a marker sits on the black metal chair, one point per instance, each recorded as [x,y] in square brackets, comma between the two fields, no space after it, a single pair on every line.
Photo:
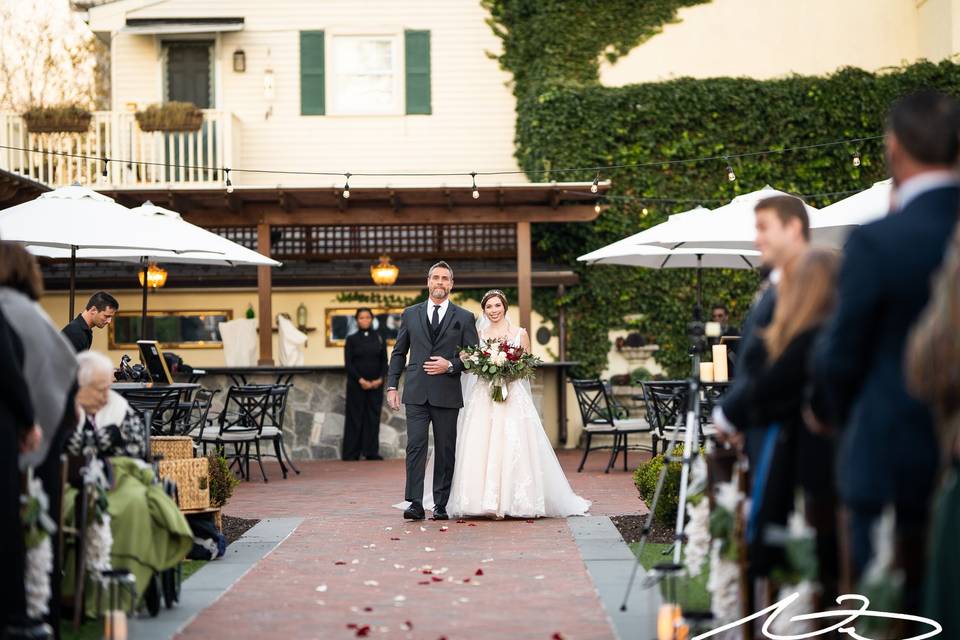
[273,427]
[162,403]
[602,416]
[666,403]
[240,423]
[199,411]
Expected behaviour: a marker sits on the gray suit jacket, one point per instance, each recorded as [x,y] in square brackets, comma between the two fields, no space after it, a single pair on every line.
[458,329]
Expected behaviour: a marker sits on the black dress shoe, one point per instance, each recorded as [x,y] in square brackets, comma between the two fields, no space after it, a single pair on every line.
[440,513]
[414,512]
[375,457]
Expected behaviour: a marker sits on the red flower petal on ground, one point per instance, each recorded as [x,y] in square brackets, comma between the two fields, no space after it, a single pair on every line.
[427,572]
[339,562]
[368,609]
[363,631]
[436,578]
[408,625]
[471,525]
[529,521]
[394,538]
[424,582]
[461,521]
[351,626]
[557,636]
[466,579]
[479,572]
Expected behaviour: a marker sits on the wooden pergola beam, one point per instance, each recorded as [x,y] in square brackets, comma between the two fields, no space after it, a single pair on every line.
[252,214]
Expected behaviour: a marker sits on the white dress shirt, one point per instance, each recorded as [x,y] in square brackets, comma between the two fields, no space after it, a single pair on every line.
[443,309]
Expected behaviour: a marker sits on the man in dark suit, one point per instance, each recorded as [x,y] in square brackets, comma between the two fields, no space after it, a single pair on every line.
[98,313]
[887,452]
[433,334]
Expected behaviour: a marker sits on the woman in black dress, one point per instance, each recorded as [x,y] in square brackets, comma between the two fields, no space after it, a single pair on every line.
[365,357]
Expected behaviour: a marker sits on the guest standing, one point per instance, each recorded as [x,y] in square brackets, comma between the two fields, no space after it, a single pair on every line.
[776,396]
[887,448]
[365,356]
[99,313]
[48,367]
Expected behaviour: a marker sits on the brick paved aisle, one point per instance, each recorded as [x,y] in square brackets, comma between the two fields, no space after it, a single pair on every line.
[354,561]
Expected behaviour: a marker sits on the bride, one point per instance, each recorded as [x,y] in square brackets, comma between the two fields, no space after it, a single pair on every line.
[505,464]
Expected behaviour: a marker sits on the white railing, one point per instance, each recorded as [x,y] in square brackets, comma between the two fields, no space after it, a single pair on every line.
[136,157]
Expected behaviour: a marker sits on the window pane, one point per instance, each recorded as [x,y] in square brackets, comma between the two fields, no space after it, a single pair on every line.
[364,75]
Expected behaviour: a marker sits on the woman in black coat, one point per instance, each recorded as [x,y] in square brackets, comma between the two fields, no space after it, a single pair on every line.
[365,357]
[795,456]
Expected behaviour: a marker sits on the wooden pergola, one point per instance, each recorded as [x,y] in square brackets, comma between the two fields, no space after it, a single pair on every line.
[264,208]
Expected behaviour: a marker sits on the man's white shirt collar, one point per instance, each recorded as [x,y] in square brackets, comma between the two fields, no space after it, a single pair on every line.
[442,310]
[920,184]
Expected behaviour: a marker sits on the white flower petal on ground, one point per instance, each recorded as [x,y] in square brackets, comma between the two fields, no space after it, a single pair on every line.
[429,549]
[322,588]
[371,583]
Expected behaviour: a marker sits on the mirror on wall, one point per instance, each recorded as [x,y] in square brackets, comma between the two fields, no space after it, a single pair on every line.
[178,329]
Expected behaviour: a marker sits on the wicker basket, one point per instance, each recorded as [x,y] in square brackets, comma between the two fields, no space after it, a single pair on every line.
[193,481]
[170,116]
[171,447]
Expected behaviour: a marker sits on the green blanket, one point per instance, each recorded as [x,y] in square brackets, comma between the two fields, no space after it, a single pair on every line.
[149,532]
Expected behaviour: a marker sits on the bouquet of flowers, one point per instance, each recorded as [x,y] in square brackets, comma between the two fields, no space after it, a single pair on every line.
[499,363]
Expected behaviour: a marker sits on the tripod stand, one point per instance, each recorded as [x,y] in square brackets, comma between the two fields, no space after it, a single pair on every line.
[690,450]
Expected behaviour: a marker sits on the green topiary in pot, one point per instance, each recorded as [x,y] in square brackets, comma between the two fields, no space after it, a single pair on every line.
[222,480]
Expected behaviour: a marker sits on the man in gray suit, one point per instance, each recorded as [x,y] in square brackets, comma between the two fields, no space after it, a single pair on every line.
[433,334]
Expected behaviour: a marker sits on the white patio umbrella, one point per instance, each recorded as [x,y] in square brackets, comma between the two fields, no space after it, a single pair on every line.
[731,226]
[76,218]
[833,223]
[208,248]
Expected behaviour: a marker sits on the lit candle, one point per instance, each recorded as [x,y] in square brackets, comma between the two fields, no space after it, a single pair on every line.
[670,623]
[706,372]
[720,363]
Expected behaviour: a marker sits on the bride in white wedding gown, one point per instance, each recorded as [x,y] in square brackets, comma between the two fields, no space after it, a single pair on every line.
[505,465]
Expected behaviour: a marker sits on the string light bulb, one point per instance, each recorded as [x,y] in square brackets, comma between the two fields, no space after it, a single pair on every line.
[104,171]
[346,185]
[731,176]
[596,207]
[645,211]
[476,192]
[856,159]
[228,183]
[595,186]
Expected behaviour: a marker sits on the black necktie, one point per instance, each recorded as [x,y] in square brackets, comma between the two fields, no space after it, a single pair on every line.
[435,322]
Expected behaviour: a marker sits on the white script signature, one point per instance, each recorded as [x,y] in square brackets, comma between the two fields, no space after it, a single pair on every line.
[844,626]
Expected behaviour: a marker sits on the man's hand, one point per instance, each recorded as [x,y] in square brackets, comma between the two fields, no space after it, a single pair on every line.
[365,384]
[376,384]
[436,366]
[31,439]
[393,399]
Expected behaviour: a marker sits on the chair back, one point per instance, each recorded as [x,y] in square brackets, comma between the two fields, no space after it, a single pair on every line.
[594,402]
[666,404]
[278,412]
[199,411]
[246,409]
[162,403]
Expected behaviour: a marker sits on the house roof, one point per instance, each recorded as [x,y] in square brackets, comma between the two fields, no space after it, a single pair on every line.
[15,189]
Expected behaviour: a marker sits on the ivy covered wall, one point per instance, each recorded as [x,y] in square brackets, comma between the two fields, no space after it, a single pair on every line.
[565,118]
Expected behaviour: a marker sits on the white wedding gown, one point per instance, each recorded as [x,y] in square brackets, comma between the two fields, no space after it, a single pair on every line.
[505,465]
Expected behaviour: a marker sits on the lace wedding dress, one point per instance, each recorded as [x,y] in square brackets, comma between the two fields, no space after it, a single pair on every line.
[505,464]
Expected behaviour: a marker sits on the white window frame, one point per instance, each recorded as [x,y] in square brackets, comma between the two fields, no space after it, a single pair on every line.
[399,67]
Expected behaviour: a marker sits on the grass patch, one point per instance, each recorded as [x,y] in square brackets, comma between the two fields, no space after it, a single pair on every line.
[89,630]
[190,567]
[692,592]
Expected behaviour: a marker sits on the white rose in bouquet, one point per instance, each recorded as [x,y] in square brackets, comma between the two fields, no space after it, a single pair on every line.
[499,358]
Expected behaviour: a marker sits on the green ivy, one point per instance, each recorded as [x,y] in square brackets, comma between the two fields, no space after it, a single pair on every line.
[565,118]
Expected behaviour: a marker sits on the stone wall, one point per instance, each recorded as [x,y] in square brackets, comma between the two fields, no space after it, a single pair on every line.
[313,424]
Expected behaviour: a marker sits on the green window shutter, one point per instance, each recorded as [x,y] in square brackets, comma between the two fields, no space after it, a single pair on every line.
[417,49]
[312,89]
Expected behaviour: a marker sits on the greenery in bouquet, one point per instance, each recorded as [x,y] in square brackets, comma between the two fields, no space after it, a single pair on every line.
[499,363]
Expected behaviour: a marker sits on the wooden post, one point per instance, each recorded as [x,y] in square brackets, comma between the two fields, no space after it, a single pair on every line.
[264,286]
[524,274]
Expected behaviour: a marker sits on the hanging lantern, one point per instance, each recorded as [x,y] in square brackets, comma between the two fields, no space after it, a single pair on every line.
[384,274]
[156,276]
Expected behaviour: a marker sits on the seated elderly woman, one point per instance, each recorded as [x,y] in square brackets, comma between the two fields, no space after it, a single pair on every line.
[147,532]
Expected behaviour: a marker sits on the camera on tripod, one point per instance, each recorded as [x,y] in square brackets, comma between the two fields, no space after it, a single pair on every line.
[699,334]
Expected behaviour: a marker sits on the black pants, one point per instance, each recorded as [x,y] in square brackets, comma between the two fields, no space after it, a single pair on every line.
[444,420]
[361,430]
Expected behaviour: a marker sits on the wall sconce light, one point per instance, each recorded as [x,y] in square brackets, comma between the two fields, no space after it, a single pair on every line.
[239,61]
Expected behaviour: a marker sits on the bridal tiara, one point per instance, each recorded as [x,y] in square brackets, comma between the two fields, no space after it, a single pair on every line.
[491,294]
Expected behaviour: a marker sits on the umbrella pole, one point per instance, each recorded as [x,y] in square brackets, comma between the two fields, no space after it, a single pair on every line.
[73,280]
[699,309]
[143,310]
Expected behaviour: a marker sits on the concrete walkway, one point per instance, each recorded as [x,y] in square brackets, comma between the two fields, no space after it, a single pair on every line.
[353,567]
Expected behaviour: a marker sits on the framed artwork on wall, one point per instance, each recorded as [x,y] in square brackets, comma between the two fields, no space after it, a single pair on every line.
[179,329]
[341,323]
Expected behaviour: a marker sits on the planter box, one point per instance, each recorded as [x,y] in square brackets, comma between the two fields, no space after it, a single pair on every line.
[57,120]
[172,116]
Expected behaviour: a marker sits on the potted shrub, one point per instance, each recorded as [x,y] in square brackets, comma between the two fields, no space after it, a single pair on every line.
[63,118]
[222,480]
[170,116]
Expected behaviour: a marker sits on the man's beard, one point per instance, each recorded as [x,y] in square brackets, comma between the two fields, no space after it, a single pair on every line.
[439,294]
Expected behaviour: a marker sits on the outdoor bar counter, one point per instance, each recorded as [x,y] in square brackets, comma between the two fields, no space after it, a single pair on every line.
[313,424]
